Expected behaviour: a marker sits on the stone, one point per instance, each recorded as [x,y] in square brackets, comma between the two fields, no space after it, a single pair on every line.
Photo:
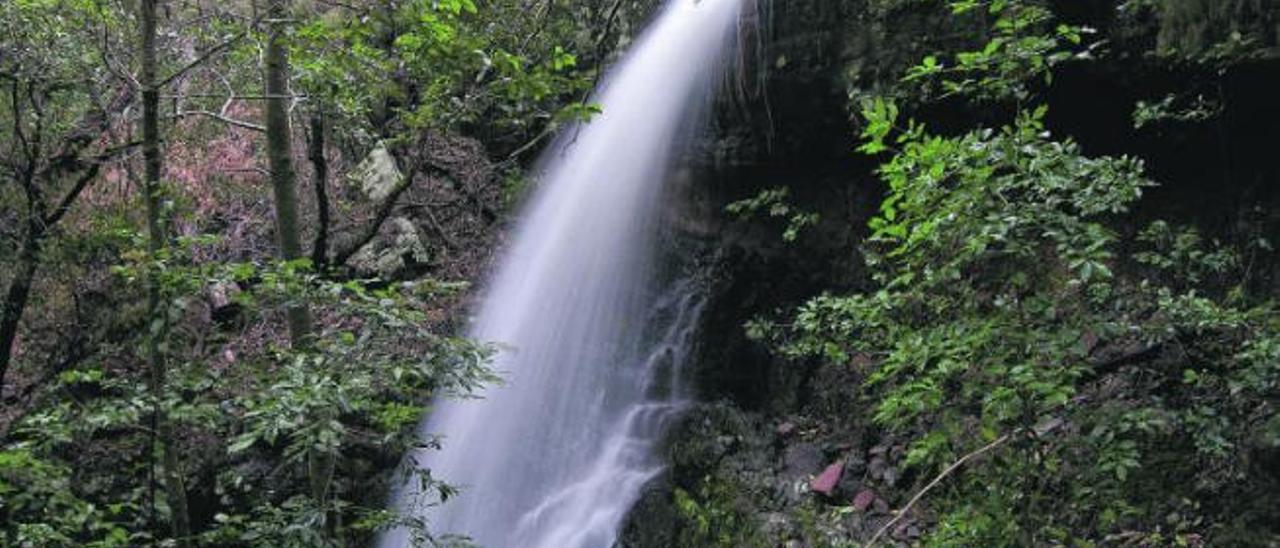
[785,429]
[222,297]
[856,465]
[890,476]
[900,532]
[863,500]
[652,522]
[222,294]
[854,468]
[800,460]
[827,481]
[393,251]
[877,467]
[377,175]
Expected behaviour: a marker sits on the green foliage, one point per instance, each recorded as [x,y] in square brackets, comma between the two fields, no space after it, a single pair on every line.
[1173,108]
[52,77]
[1021,48]
[713,516]
[998,288]
[775,204]
[255,422]
[1009,307]
[452,70]
[992,193]
[358,388]
[40,508]
[47,40]
[1000,295]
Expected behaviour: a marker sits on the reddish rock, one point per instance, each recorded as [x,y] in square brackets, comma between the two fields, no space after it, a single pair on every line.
[863,500]
[826,482]
[786,429]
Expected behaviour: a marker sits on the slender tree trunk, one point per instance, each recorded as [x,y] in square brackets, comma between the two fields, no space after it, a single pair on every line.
[283,183]
[15,301]
[320,169]
[280,157]
[157,242]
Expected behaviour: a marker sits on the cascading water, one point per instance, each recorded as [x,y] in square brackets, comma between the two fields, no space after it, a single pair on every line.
[591,340]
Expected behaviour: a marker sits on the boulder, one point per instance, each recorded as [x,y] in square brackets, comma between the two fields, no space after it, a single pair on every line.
[377,175]
[398,247]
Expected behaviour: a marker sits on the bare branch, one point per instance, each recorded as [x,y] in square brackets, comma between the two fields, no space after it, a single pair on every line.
[344,5]
[1037,431]
[238,97]
[65,204]
[231,94]
[83,181]
[955,465]
[258,170]
[223,46]
[517,153]
[115,70]
[224,119]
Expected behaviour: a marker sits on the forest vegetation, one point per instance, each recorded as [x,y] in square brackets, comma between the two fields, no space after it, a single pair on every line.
[986,272]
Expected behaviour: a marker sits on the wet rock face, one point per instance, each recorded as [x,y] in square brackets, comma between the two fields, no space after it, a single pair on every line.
[783,122]
[654,520]
[786,123]
[786,99]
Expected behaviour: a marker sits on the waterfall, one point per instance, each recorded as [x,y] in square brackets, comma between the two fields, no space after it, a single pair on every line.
[590,330]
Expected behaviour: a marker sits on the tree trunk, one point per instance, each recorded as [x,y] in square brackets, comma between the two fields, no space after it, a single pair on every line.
[283,183]
[157,242]
[15,301]
[320,169]
[280,158]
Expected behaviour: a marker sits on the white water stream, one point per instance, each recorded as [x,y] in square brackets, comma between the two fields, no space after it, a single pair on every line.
[592,337]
